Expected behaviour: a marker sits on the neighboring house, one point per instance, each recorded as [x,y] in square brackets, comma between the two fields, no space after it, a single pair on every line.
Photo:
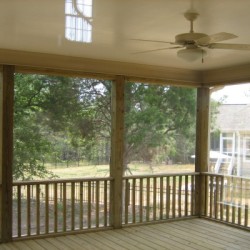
[233,139]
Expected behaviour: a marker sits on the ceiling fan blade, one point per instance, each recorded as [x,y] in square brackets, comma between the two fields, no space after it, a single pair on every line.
[229,46]
[154,41]
[147,51]
[222,36]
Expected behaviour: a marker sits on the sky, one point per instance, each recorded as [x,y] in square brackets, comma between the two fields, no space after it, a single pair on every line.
[236,94]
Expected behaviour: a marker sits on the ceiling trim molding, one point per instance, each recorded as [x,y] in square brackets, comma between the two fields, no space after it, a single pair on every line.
[226,76]
[76,66]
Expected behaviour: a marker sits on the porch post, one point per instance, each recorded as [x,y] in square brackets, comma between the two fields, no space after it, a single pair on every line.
[6,151]
[117,148]
[202,146]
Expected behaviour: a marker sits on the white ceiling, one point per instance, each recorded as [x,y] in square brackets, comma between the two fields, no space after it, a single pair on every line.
[39,26]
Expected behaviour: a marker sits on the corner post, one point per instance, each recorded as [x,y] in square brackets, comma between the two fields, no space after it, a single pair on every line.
[202,147]
[117,148]
[6,150]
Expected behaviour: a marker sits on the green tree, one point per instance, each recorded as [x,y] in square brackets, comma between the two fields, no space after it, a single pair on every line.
[72,112]
[68,119]
[30,147]
[154,116]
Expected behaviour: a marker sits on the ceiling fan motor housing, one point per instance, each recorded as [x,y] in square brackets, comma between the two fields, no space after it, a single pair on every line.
[188,38]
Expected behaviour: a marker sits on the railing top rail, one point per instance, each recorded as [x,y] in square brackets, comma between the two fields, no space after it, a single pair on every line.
[159,175]
[87,179]
[223,175]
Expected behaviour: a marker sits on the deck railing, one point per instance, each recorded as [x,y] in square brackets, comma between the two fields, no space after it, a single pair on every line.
[62,206]
[66,206]
[158,197]
[59,206]
[227,199]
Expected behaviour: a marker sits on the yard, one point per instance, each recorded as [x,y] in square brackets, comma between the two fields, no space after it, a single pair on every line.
[136,168]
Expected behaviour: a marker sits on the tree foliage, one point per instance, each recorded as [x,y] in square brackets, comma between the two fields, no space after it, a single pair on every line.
[53,118]
[59,119]
[155,115]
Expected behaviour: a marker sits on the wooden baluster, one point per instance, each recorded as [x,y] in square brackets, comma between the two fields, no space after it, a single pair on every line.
[227,212]
[97,206]
[148,199]
[230,190]
[233,214]
[38,209]
[64,206]
[216,199]
[127,198]
[211,192]
[174,196]
[72,206]
[141,199]
[19,211]
[89,204]
[186,195]
[222,199]
[106,203]
[55,207]
[81,206]
[154,197]
[193,186]
[46,208]
[133,200]
[206,195]
[235,197]
[246,216]
[161,198]
[168,188]
[239,214]
[179,196]
[28,210]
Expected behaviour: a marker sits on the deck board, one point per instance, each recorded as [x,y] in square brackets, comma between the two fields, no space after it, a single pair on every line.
[130,243]
[190,234]
[200,237]
[169,240]
[230,236]
[187,241]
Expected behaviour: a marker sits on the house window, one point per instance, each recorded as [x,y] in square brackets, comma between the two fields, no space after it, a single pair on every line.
[246,149]
[227,143]
[78,20]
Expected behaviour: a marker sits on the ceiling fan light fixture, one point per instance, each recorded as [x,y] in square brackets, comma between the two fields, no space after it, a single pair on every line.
[191,54]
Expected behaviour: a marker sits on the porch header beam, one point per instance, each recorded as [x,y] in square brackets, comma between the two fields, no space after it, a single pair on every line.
[33,62]
[28,62]
[226,76]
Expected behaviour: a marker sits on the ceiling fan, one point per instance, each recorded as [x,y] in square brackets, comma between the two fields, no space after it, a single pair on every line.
[193,43]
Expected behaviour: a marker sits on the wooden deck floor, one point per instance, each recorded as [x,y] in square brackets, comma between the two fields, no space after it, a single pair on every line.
[187,234]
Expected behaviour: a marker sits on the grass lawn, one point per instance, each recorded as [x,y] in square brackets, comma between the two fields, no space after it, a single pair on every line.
[74,171]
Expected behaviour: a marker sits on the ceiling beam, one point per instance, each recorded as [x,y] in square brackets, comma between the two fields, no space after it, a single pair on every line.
[226,76]
[33,62]
[58,64]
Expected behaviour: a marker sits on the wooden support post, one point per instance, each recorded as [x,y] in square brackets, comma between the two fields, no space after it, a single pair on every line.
[6,150]
[117,148]
[202,147]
